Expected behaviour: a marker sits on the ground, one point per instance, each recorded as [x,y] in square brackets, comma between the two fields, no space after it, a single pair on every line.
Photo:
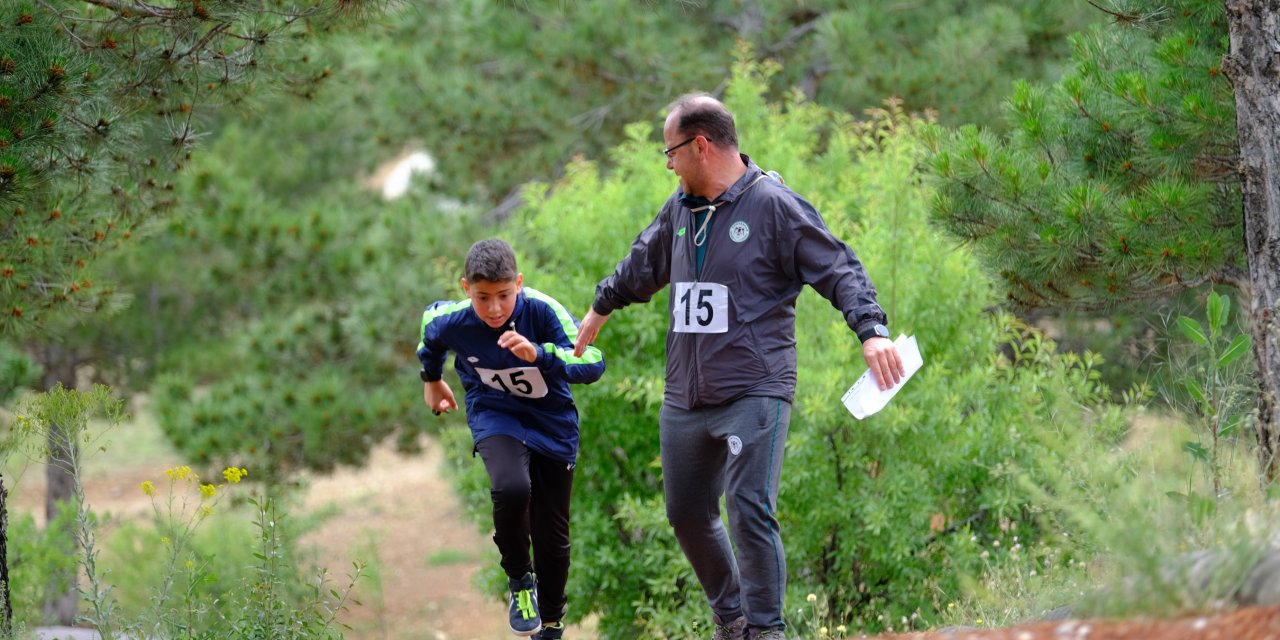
[398,508]
[1244,624]
[402,510]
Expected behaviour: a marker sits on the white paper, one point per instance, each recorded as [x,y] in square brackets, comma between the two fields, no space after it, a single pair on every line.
[865,397]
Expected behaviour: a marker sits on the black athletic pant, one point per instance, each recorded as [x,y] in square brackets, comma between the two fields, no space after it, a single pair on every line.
[530,503]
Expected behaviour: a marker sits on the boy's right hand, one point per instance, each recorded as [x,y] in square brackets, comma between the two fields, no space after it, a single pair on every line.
[439,397]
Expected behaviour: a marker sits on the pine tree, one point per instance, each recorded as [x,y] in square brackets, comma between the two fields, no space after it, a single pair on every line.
[505,92]
[1151,168]
[101,103]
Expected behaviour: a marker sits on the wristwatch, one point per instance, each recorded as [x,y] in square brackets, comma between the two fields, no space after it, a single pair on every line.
[878,330]
[426,377]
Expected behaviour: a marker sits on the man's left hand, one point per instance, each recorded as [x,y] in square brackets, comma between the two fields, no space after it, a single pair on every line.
[884,362]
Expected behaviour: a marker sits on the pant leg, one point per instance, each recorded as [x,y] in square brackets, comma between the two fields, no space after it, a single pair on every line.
[753,471]
[552,482]
[507,461]
[693,464]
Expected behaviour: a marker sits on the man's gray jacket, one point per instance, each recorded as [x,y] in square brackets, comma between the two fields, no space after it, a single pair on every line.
[764,243]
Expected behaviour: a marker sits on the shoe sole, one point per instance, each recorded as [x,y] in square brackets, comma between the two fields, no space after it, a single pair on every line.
[526,634]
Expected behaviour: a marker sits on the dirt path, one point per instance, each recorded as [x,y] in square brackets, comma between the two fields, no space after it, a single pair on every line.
[1256,623]
[401,511]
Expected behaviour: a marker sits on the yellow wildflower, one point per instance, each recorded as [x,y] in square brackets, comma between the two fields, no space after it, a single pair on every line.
[207,491]
[812,597]
[206,511]
[179,473]
[234,475]
[149,488]
[164,540]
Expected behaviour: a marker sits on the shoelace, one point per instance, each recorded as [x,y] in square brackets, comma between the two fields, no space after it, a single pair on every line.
[524,602]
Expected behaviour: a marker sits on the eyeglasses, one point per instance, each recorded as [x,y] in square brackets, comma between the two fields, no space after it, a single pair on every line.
[671,151]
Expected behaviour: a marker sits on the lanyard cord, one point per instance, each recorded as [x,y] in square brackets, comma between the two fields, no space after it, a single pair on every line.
[701,235]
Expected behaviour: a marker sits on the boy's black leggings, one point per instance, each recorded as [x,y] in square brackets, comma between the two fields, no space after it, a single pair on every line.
[530,503]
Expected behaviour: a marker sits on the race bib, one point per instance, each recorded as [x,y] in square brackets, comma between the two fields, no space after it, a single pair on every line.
[700,307]
[525,382]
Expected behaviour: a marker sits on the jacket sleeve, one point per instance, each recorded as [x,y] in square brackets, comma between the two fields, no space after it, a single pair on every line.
[432,351]
[827,264]
[558,330]
[644,271]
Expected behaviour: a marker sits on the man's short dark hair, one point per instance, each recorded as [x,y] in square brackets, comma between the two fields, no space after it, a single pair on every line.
[491,260]
[701,114]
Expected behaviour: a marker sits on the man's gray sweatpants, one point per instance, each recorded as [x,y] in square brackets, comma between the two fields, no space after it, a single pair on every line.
[734,450]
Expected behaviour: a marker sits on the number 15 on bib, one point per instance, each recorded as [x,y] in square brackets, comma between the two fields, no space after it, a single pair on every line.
[700,307]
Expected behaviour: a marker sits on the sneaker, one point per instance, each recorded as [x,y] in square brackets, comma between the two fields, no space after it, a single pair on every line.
[524,605]
[735,630]
[553,631]
[771,634]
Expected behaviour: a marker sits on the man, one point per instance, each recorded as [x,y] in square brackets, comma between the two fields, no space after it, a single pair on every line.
[736,246]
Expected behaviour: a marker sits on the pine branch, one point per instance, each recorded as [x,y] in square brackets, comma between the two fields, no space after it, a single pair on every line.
[143,8]
[1121,18]
[795,35]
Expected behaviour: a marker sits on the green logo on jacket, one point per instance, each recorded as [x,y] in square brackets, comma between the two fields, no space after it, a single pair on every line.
[680,233]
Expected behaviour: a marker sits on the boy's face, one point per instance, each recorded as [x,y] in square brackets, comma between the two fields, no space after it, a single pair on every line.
[493,301]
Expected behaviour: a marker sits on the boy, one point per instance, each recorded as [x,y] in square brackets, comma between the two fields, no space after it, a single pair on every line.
[513,351]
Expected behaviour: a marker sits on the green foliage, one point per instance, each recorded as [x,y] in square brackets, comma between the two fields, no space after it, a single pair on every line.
[200,569]
[505,92]
[879,517]
[1214,384]
[100,104]
[945,56]
[279,324]
[62,418]
[1115,183]
[16,371]
[36,557]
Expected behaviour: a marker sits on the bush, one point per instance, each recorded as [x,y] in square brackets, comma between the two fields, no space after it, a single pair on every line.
[884,517]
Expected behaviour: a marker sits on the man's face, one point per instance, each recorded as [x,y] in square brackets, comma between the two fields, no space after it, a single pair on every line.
[493,302]
[682,161]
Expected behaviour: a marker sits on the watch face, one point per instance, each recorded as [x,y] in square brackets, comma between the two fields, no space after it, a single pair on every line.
[882,331]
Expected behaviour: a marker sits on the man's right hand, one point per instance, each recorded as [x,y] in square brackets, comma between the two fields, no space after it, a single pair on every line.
[439,397]
[588,330]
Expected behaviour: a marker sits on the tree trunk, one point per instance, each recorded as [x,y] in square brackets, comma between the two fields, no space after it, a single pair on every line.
[6,612]
[1253,65]
[64,594]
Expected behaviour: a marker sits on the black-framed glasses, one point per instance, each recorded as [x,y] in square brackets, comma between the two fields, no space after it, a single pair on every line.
[669,151]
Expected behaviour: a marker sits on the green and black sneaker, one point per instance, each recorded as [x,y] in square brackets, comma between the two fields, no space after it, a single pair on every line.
[551,631]
[524,605]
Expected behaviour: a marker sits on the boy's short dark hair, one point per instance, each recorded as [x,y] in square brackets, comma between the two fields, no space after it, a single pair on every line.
[491,260]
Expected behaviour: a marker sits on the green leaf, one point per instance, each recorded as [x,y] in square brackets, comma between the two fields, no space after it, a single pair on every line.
[1192,330]
[1218,308]
[1193,387]
[1239,345]
[1231,426]
[1196,450]
[1201,507]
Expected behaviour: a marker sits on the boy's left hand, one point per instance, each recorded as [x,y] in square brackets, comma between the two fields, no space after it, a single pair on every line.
[518,345]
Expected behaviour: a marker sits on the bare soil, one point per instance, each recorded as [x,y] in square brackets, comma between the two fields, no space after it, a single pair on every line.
[1255,623]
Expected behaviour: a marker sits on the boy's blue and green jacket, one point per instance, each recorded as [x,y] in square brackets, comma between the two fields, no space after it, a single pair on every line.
[504,394]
